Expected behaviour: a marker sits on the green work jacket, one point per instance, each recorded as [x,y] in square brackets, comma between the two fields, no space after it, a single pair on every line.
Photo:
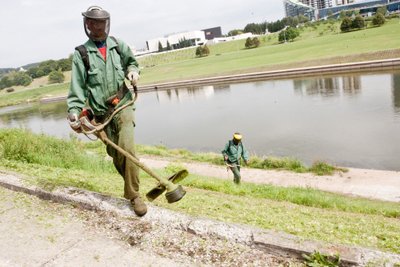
[235,152]
[103,79]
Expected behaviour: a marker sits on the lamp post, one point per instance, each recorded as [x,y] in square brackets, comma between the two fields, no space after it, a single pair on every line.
[284,35]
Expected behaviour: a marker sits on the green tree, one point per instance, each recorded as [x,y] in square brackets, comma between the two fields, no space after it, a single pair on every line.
[256,42]
[202,51]
[381,10]
[378,19]
[346,24]
[56,76]
[249,42]
[342,14]
[160,47]
[64,64]
[291,21]
[303,19]
[5,82]
[169,46]
[48,66]
[292,33]
[185,43]
[288,35]
[33,72]
[206,50]
[254,28]
[358,22]
[235,32]
[275,26]
[22,78]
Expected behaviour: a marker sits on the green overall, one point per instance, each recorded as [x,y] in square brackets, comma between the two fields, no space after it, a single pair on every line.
[94,87]
[234,154]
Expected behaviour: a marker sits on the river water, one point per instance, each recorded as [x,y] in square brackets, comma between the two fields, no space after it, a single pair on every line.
[351,121]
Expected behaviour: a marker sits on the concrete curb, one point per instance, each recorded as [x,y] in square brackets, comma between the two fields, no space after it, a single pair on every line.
[279,244]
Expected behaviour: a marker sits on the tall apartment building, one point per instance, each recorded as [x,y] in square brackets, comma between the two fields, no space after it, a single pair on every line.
[318,9]
[318,4]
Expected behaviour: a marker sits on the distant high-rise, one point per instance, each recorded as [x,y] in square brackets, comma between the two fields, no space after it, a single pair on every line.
[318,4]
[317,9]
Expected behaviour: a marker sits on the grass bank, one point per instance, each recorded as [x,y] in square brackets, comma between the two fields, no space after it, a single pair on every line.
[308,213]
[317,45]
[32,95]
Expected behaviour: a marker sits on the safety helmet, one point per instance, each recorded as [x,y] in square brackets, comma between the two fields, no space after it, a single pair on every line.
[237,136]
[98,14]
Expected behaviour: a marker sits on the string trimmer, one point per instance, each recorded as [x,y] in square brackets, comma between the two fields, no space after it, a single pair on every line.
[174,192]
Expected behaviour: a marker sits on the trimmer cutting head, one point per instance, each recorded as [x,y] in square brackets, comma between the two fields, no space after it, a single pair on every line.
[174,194]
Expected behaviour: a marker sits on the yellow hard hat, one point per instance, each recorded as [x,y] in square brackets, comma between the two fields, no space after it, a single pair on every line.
[237,136]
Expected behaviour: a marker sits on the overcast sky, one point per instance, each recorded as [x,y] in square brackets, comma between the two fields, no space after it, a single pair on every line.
[37,30]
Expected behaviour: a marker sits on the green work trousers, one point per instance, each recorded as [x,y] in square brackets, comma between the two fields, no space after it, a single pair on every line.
[121,131]
[236,173]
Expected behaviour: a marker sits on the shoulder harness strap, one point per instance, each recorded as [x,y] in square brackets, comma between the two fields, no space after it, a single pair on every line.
[84,55]
[117,47]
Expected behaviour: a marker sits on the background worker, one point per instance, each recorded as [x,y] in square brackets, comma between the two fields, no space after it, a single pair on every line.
[97,74]
[233,152]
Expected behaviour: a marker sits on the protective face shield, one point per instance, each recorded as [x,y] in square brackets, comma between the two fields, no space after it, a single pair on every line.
[96,22]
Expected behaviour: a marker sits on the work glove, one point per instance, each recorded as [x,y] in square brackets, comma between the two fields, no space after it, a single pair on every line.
[74,122]
[133,77]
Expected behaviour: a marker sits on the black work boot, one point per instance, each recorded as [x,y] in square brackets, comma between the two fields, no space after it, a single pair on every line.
[138,206]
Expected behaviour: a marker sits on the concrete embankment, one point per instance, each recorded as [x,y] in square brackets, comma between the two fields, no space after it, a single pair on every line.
[365,66]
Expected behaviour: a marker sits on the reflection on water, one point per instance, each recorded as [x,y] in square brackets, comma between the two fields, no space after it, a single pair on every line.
[396,92]
[345,120]
[190,92]
[329,86]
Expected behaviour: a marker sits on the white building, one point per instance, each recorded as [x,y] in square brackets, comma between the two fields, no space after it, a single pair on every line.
[195,37]
[230,38]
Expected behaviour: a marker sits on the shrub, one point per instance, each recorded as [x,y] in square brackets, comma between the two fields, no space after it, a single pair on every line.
[56,76]
[378,20]
[202,51]
[358,22]
[252,42]
[346,24]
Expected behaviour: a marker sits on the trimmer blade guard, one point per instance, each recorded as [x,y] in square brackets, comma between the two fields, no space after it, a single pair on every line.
[160,189]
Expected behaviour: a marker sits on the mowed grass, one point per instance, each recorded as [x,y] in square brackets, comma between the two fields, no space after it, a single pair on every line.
[302,212]
[311,49]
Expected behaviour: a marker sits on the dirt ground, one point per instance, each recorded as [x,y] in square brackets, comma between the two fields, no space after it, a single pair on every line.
[43,233]
[375,184]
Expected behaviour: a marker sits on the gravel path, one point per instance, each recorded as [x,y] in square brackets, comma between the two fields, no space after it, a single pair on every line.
[376,184]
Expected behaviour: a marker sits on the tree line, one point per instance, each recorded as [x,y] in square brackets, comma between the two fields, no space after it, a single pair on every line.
[352,20]
[53,68]
[271,27]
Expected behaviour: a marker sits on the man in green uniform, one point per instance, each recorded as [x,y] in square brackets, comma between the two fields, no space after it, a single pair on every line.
[232,153]
[97,74]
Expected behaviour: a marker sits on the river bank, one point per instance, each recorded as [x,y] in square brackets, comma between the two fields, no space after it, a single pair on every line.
[322,70]
[317,70]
